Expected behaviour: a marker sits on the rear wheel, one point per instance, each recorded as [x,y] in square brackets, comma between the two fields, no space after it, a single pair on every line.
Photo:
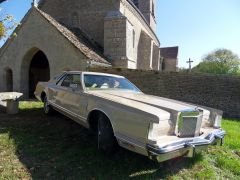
[47,109]
[106,140]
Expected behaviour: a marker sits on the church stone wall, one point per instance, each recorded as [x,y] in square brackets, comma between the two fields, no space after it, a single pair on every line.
[135,19]
[170,64]
[37,34]
[146,7]
[144,52]
[216,91]
[115,37]
[91,16]
[86,14]
[131,46]
[156,58]
[141,36]
[120,44]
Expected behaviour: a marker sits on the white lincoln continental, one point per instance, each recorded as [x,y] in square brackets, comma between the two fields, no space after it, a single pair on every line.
[121,115]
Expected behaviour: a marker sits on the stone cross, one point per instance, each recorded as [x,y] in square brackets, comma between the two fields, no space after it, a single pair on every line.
[190,64]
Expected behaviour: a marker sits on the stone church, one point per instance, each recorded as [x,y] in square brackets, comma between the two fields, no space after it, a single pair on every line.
[61,35]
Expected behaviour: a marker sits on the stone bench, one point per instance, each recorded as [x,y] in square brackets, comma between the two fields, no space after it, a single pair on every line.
[12,101]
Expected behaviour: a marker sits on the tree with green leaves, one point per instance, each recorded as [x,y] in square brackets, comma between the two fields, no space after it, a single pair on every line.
[220,61]
[7,23]
[2,29]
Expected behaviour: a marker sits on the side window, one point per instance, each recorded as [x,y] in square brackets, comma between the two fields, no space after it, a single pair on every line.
[67,81]
[71,80]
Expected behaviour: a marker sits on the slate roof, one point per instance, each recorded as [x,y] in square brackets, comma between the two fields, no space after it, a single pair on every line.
[169,52]
[78,39]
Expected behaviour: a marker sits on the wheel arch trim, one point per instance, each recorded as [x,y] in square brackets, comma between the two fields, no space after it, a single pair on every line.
[102,111]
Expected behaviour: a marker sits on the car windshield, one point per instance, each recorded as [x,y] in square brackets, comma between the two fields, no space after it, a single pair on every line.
[108,82]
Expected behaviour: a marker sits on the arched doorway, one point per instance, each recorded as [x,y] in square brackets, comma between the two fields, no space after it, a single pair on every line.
[9,80]
[38,71]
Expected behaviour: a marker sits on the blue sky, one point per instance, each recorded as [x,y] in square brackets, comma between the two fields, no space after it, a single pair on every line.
[196,26]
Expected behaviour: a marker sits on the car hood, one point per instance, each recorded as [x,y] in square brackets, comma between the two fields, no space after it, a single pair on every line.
[168,105]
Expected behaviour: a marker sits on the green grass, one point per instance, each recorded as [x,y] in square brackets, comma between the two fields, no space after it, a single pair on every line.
[33,146]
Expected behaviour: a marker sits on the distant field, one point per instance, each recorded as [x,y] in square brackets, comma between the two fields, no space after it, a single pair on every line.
[33,146]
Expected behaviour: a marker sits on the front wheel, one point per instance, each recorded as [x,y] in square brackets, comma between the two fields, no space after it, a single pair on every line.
[106,140]
[47,109]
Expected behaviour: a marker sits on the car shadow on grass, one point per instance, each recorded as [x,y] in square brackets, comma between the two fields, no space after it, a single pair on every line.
[55,147]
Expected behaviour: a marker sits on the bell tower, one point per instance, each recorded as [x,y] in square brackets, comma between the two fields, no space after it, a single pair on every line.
[148,9]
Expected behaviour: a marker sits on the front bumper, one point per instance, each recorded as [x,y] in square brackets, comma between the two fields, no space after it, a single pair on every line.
[185,148]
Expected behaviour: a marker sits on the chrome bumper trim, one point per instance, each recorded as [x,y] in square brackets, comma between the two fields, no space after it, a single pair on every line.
[185,148]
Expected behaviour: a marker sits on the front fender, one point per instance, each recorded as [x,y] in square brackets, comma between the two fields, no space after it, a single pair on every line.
[130,125]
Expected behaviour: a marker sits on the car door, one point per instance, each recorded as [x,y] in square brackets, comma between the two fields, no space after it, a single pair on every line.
[70,97]
[53,90]
[58,92]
